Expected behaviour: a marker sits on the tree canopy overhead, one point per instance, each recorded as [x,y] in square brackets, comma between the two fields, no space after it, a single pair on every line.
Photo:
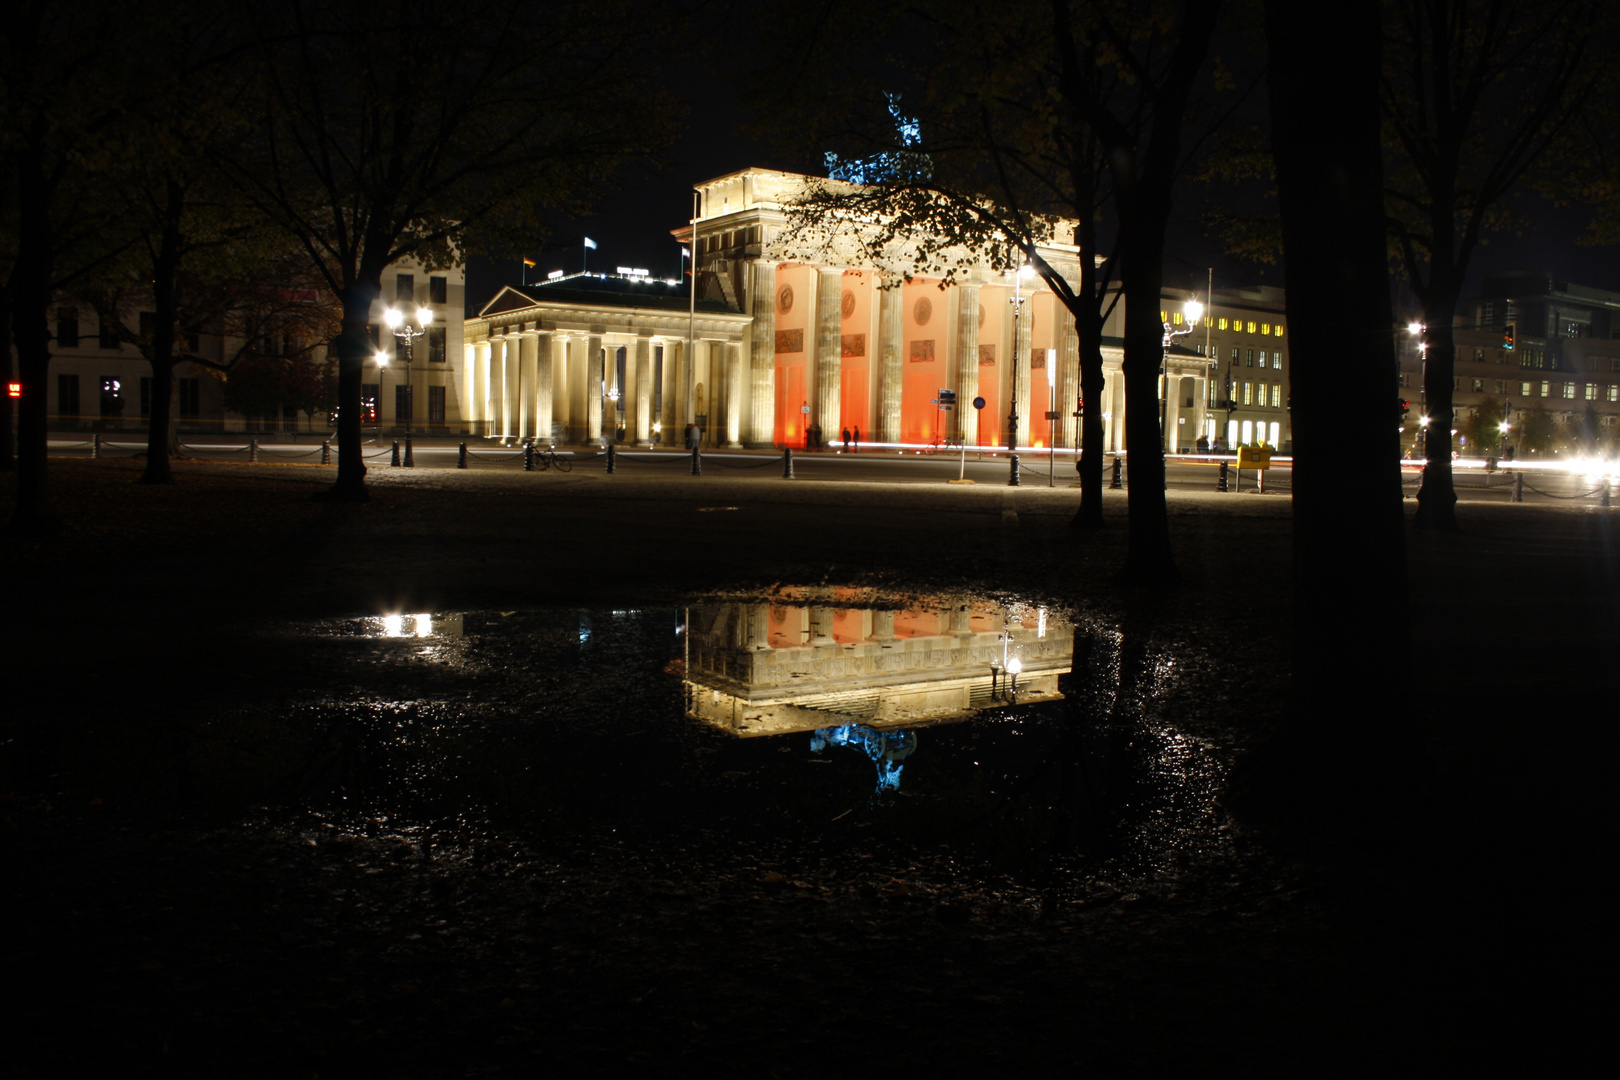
[395,130]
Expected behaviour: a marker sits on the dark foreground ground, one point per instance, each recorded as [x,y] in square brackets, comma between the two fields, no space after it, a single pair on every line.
[162,922]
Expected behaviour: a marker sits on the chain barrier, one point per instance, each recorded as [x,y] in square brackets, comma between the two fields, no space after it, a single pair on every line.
[751,465]
[510,457]
[621,457]
[1583,495]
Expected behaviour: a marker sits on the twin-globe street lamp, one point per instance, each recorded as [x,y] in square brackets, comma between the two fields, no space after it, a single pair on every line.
[407,336]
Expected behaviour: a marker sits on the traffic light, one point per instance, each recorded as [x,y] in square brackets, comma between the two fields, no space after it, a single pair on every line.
[1406,408]
[1508,334]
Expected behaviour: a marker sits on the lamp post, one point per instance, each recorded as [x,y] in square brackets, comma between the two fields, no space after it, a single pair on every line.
[407,336]
[1025,271]
[1194,310]
[1416,329]
[382,371]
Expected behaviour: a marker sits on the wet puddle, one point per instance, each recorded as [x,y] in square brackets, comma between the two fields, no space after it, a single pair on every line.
[985,729]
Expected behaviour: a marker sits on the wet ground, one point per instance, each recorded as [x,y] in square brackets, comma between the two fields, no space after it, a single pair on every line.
[260,831]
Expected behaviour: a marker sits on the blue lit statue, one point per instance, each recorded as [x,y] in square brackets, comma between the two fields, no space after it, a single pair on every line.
[887,749]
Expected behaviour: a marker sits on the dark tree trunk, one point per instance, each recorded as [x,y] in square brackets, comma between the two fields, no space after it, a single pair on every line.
[353,345]
[1437,495]
[32,296]
[1347,749]
[161,347]
[1088,326]
[8,451]
[1148,559]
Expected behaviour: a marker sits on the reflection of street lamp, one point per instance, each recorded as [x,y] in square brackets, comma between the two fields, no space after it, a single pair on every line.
[407,336]
[1194,311]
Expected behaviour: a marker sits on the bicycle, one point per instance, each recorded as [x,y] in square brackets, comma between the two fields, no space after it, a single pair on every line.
[545,458]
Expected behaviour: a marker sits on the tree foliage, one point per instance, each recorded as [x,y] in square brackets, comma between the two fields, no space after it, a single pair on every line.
[414,129]
[983,127]
[1474,94]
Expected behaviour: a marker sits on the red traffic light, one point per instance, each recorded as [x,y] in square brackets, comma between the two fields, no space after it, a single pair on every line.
[14,389]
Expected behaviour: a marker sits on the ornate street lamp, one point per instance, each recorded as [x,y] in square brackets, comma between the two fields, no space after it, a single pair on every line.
[1194,311]
[382,370]
[407,335]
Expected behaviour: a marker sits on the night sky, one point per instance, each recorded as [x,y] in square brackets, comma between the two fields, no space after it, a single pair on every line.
[633,225]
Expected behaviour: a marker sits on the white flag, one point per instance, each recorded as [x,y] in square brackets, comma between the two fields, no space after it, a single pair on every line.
[590,243]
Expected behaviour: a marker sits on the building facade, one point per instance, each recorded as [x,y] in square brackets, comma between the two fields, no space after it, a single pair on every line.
[780,345]
[101,380]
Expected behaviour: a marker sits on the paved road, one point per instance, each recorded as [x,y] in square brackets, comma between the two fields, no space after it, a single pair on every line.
[1037,468]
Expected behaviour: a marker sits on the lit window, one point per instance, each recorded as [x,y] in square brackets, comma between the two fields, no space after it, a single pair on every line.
[1176,318]
[1220,324]
[1279,329]
[1544,388]
[1234,354]
[1524,389]
[1248,360]
[1164,316]
[1265,328]
[1276,403]
[1569,390]
[1591,391]
[1248,391]
[1273,439]
[1248,432]
[1251,328]
[1614,393]
[1276,361]
[1479,386]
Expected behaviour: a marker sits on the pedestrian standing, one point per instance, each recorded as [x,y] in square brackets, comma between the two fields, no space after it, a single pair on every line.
[846,440]
[857,439]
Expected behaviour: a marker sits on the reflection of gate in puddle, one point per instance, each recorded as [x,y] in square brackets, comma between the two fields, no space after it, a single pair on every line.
[813,662]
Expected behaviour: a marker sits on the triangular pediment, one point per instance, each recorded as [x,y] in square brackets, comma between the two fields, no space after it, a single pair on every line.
[508,299]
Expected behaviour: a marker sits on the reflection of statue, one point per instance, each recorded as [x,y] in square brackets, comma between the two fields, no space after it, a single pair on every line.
[887,749]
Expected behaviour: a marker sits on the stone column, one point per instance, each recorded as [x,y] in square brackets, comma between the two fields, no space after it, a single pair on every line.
[528,363]
[965,423]
[482,393]
[1200,408]
[1170,409]
[758,620]
[1116,389]
[1020,373]
[495,389]
[1069,378]
[469,384]
[545,381]
[762,354]
[593,388]
[576,366]
[642,411]
[829,357]
[667,414]
[734,387]
[883,626]
[890,385]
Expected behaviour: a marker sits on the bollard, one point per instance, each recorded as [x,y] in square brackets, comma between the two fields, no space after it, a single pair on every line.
[611,462]
[393,458]
[95,446]
[787,463]
[1518,487]
[253,451]
[1116,483]
[326,451]
[1223,484]
[1605,500]
[528,456]
[1012,475]
[410,462]
[461,457]
[697,462]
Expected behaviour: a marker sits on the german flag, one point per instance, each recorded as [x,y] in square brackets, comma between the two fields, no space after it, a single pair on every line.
[528,263]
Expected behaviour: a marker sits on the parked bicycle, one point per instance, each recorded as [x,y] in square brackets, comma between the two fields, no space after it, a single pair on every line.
[546,457]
